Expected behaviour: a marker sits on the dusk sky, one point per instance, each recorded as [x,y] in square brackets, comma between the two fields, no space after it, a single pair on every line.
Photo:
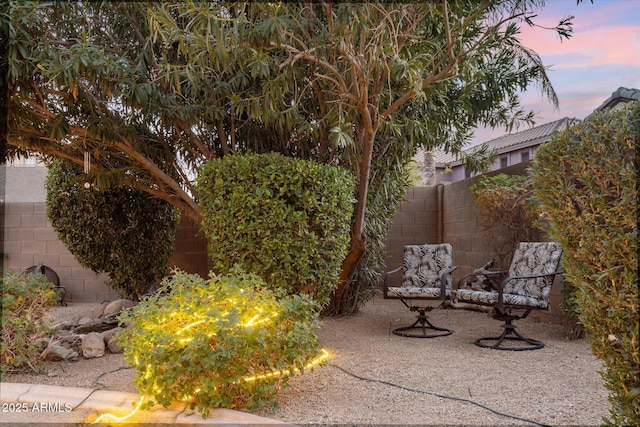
[602,55]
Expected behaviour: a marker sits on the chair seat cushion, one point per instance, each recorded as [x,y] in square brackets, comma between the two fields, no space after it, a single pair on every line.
[491,298]
[416,292]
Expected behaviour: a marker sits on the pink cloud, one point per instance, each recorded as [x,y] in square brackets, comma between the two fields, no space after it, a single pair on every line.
[613,45]
[599,37]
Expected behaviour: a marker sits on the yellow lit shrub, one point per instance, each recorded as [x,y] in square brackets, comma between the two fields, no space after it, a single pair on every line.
[223,342]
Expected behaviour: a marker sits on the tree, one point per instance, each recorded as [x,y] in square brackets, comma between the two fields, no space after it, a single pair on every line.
[121,231]
[165,87]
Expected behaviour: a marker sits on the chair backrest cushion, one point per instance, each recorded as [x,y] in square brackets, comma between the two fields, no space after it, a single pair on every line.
[424,264]
[529,259]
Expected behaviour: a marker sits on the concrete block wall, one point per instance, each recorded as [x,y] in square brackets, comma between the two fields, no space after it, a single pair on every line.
[29,240]
[444,213]
[190,253]
[451,217]
[415,222]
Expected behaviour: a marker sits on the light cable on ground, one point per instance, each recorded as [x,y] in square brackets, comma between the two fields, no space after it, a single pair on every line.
[442,396]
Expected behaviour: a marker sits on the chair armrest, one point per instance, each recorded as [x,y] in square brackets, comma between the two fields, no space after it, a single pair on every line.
[508,279]
[443,281]
[387,276]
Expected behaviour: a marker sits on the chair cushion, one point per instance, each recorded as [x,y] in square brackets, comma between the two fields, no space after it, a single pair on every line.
[531,258]
[491,298]
[417,292]
[424,264]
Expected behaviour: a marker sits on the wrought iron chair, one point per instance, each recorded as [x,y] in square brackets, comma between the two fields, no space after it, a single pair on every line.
[51,276]
[426,276]
[527,287]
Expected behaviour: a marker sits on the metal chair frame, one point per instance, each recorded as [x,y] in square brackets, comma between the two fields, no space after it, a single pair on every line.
[422,327]
[503,312]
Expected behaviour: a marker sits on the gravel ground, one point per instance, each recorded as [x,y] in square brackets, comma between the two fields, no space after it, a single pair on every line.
[445,380]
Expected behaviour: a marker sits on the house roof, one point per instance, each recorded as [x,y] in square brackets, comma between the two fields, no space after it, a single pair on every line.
[622,94]
[510,142]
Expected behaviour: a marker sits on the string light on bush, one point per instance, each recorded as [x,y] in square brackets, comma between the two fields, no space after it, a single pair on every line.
[108,417]
[322,357]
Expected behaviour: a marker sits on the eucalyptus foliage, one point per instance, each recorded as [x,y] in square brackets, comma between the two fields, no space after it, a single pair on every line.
[154,90]
[124,232]
[284,219]
[586,180]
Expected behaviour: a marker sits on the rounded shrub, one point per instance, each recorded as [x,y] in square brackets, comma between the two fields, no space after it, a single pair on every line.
[25,299]
[223,342]
[586,182]
[285,219]
[124,232]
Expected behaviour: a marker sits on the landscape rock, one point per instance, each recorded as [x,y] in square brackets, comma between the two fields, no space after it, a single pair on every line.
[89,321]
[56,353]
[117,306]
[110,341]
[67,324]
[42,343]
[97,312]
[93,345]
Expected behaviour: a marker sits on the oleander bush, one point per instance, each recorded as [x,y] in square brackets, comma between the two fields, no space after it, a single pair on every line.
[586,182]
[124,232]
[228,341]
[284,219]
[25,299]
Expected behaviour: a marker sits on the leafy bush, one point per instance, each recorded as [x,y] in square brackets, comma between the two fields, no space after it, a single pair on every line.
[586,181]
[285,219]
[507,212]
[223,342]
[121,231]
[25,298]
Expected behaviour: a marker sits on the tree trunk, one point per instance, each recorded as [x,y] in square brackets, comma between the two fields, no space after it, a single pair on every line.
[358,244]
[349,266]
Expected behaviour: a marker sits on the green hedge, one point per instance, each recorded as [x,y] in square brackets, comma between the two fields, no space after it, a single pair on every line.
[121,231]
[586,181]
[223,342]
[285,219]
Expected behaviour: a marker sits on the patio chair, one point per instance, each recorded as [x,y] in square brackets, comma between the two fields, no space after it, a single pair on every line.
[426,276]
[527,287]
[51,276]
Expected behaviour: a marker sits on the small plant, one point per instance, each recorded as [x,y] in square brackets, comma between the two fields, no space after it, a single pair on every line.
[223,342]
[586,181]
[284,219]
[25,298]
[507,212]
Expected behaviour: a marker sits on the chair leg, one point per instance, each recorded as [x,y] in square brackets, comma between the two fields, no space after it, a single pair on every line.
[509,330]
[421,326]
